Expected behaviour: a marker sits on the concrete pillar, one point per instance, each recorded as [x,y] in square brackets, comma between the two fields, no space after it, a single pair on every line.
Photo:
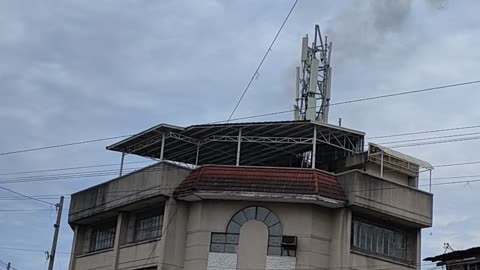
[118,233]
[340,243]
[73,255]
[170,251]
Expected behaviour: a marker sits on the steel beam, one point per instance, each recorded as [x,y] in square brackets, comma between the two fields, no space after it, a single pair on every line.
[239,145]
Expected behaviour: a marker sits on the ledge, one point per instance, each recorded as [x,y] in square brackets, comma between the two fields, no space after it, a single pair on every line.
[382,258]
[91,253]
[141,242]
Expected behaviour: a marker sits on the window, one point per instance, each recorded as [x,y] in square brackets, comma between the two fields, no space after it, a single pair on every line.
[148,226]
[103,237]
[228,242]
[379,240]
[472,266]
[224,242]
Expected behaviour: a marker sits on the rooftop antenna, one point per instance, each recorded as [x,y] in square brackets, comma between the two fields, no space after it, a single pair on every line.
[313,79]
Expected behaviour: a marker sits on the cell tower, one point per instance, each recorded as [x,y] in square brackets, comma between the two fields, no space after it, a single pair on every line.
[313,79]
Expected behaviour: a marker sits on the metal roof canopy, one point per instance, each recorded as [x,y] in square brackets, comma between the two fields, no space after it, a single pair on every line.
[280,143]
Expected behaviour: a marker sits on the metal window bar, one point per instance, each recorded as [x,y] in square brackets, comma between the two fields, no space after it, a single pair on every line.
[379,240]
[148,227]
[103,237]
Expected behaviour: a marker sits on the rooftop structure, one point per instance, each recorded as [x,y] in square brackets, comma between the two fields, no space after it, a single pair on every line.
[280,143]
[468,259]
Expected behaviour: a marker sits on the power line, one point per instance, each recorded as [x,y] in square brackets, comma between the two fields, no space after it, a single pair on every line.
[406,92]
[74,168]
[26,196]
[268,114]
[62,145]
[159,188]
[263,60]
[436,142]
[457,164]
[422,132]
[363,99]
[432,138]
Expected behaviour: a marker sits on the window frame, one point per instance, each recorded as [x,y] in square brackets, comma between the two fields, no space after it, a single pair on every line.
[138,231]
[363,230]
[98,233]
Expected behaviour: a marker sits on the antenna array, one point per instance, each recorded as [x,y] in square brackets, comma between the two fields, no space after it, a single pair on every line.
[313,79]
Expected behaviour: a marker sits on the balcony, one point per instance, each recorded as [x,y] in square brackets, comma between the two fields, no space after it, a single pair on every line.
[376,196]
[149,185]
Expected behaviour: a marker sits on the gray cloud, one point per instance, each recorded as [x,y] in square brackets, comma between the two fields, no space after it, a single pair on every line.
[79,70]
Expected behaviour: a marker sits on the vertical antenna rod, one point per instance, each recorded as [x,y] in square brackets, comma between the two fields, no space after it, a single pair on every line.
[313,83]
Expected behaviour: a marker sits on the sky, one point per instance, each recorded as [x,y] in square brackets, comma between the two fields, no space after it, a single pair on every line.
[79,70]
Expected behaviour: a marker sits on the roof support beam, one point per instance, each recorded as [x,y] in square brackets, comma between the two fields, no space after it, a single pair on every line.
[162,149]
[314,146]
[239,145]
[198,153]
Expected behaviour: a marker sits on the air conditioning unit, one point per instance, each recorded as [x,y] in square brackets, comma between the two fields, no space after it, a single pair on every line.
[289,242]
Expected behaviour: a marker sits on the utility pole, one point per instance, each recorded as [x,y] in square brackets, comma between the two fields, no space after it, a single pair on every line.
[51,257]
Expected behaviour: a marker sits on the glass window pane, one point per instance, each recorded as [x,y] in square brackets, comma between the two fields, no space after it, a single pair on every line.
[218,238]
[103,237]
[262,213]
[275,241]
[232,238]
[230,248]
[217,248]
[250,213]
[240,218]
[275,230]
[233,227]
[147,226]
[274,251]
[271,219]
[380,240]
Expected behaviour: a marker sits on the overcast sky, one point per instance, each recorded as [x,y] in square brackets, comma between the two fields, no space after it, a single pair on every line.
[76,70]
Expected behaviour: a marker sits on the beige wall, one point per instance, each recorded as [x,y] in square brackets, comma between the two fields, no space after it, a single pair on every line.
[323,238]
[323,234]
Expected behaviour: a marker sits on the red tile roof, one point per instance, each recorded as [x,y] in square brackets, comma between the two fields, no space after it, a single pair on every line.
[261,179]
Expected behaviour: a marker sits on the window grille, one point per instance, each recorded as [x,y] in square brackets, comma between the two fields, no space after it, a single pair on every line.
[148,226]
[379,240]
[103,237]
[472,266]
[228,242]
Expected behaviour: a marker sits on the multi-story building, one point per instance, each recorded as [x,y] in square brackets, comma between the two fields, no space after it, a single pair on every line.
[251,196]
[468,259]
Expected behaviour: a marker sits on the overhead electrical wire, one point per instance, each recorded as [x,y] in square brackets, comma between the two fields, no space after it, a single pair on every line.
[75,168]
[271,114]
[255,74]
[62,145]
[422,132]
[432,138]
[159,188]
[26,196]
[363,99]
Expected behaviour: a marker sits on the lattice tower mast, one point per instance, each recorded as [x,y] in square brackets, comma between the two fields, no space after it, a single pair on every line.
[313,79]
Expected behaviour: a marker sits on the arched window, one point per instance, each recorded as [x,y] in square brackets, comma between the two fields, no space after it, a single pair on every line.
[228,242]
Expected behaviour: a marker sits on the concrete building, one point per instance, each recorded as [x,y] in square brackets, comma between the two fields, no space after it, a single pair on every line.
[468,259]
[251,196]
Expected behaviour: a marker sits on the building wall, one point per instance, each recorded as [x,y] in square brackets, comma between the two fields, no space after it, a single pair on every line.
[323,237]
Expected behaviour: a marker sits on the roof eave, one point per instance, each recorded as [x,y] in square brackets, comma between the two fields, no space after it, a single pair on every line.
[263,196]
